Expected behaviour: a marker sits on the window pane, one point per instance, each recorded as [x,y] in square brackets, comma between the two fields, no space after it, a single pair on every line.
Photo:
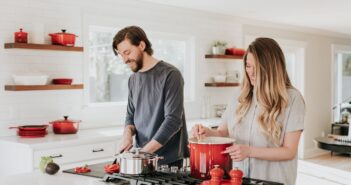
[108,75]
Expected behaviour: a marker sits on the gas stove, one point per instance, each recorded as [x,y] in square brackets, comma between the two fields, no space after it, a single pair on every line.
[163,177]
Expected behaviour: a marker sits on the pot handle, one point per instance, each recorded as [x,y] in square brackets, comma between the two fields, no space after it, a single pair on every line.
[13,127]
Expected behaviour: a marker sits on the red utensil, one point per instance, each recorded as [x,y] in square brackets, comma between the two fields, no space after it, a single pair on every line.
[206,153]
[65,81]
[65,126]
[63,38]
[21,36]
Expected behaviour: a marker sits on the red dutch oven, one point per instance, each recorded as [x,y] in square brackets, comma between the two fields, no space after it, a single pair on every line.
[63,38]
[21,36]
[65,126]
[206,153]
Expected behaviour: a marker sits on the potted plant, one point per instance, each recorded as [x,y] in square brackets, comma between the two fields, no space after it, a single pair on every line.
[218,47]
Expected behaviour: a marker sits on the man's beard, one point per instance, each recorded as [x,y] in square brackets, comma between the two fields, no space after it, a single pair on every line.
[138,64]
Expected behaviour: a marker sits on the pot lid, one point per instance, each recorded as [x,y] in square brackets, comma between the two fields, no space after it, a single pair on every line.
[136,154]
[65,120]
[212,140]
[63,32]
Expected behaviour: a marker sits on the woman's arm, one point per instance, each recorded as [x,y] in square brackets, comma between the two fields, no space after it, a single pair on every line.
[286,152]
[199,131]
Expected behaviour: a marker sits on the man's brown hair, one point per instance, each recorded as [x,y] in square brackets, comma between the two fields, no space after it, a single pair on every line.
[135,34]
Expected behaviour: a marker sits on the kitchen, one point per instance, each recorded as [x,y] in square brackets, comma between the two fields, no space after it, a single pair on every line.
[102,121]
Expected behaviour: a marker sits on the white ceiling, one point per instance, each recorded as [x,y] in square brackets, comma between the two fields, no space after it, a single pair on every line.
[327,15]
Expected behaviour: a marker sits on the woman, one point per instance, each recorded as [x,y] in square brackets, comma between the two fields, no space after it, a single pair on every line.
[267,118]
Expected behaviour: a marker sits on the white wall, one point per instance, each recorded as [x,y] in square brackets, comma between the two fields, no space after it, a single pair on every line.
[76,16]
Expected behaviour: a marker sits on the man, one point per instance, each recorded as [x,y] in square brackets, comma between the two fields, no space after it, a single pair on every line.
[155,112]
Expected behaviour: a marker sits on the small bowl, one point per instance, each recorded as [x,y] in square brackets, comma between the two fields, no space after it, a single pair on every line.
[219,78]
[30,79]
[62,81]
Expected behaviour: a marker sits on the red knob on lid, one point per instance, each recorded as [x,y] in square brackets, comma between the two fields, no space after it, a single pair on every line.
[236,176]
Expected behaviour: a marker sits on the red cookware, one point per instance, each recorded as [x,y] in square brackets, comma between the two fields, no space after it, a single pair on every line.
[206,153]
[21,37]
[65,126]
[235,51]
[31,127]
[65,81]
[31,130]
[63,38]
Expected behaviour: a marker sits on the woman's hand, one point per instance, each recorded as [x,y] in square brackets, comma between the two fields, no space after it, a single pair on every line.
[238,152]
[199,131]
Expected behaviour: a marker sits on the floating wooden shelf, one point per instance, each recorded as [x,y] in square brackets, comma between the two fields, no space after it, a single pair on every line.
[223,84]
[42,47]
[42,87]
[225,56]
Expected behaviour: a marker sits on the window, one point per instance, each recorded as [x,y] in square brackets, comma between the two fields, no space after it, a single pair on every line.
[341,81]
[108,75]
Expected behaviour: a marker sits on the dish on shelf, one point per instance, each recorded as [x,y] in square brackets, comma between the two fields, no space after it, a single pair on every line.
[62,81]
[30,79]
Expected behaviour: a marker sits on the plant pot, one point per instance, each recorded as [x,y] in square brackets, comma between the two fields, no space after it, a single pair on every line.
[218,50]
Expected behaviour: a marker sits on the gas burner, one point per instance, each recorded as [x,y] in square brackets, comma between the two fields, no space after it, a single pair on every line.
[154,179]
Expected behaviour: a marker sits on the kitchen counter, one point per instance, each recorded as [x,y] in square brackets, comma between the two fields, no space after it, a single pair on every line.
[38,178]
[81,137]
[88,135]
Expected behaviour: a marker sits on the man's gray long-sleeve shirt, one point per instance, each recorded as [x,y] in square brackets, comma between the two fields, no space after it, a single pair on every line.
[156,109]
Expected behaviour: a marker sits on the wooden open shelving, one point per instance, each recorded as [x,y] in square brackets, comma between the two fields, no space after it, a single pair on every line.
[222,84]
[42,87]
[42,47]
[225,56]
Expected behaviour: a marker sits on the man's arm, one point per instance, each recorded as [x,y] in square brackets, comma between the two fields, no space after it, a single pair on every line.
[129,130]
[173,108]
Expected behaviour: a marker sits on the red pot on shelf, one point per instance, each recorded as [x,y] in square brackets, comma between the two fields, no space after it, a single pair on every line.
[21,36]
[206,153]
[63,38]
[65,126]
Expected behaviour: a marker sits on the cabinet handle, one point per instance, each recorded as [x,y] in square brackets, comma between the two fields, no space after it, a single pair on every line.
[56,156]
[98,150]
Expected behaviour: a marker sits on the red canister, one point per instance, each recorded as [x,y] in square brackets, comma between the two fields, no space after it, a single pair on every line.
[206,153]
[21,36]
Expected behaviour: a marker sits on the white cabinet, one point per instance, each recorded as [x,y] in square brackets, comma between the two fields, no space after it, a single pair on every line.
[79,153]
[20,155]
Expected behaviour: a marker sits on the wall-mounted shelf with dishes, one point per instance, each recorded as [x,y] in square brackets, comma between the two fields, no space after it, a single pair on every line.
[42,87]
[42,47]
[221,84]
[240,57]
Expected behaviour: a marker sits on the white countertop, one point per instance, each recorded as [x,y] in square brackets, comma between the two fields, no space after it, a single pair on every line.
[81,137]
[89,135]
[38,178]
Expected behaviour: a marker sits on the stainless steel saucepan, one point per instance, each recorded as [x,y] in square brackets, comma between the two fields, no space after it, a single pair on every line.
[135,162]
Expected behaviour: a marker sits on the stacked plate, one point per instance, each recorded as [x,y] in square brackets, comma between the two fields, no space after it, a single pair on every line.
[31,131]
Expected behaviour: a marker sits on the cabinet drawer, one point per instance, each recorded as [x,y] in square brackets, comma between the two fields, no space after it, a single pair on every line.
[76,153]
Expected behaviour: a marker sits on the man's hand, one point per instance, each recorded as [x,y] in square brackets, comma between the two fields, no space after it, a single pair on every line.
[127,139]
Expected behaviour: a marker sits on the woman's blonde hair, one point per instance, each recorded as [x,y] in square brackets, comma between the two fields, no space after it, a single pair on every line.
[271,87]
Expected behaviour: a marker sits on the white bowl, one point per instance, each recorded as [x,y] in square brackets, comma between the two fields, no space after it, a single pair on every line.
[30,79]
[219,78]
